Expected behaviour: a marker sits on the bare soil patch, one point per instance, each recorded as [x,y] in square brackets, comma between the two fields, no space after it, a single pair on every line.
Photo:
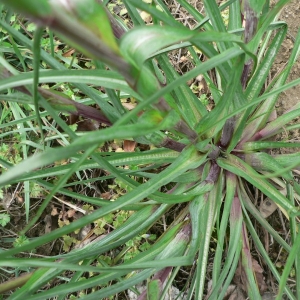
[291,15]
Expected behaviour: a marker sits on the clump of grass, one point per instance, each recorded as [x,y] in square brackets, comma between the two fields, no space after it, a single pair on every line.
[205,161]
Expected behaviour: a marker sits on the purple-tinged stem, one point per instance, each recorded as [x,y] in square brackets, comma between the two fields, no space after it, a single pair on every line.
[66,104]
[251,22]
[171,144]
[214,173]
[182,127]
[81,109]
[250,29]
[182,237]
[227,132]
[245,73]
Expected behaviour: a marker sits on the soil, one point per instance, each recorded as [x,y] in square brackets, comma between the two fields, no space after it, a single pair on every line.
[291,15]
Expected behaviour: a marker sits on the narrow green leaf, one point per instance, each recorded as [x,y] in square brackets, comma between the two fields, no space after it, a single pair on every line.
[153,289]
[195,208]
[288,266]
[59,185]
[264,24]
[187,159]
[93,15]
[30,7]
[235,21]
[90,139]
[163,15]
[261,115]
[207,219]
[97,77]
[258,79]
[240,168]
[261,247]
[51,61]
[225,103]
[14,283]
[257,5]
[231,182]
[217,22]
[32,262]
[135,224]
[273,127]
[251,283]
[207,65]
[262,161]
[154,38]
[189,106]
[236,220]
[36,63]
[261,145]
[115,159]
[249,206]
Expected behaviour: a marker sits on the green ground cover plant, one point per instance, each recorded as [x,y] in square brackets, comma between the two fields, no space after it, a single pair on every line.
[203,165]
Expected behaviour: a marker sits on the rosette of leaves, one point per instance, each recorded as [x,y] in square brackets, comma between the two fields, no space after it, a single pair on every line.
[208,162]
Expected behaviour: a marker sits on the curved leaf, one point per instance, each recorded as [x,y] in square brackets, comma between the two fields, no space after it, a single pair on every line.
[142,42]
[103,78]
[240,168]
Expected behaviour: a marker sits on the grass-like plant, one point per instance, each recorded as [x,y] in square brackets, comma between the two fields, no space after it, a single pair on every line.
[207,164]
